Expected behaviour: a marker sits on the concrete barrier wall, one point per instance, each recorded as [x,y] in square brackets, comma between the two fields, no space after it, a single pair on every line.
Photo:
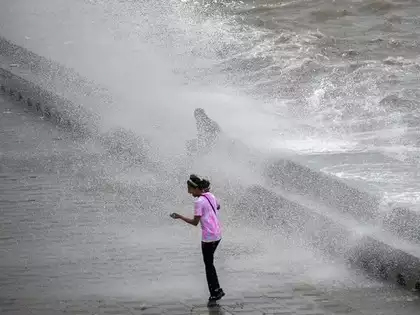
[349,199]
[263,205]
[54,77]
[43,102]
[384,261]
[403,222]
[330,190]
[53,86]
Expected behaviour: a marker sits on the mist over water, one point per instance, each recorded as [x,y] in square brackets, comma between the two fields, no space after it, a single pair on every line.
[137,56]
[334,76]
[100,228]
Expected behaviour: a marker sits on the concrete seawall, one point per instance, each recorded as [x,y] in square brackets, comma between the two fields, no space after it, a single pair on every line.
[58,95]
[56,92]
[329,190]
[344,196]
[380,254]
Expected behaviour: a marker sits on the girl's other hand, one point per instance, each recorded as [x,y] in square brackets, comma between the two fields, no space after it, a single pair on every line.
[175,215]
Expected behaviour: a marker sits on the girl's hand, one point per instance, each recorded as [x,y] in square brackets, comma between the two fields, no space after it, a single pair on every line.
[175,215]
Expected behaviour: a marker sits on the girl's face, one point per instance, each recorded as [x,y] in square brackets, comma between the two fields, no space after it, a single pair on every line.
[195,192]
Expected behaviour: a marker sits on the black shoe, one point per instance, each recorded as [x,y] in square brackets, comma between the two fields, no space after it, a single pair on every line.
[218,294]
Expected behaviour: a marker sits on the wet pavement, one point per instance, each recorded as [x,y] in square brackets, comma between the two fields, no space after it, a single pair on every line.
[78,237]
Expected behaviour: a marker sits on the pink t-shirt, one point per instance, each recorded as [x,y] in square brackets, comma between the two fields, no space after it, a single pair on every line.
[210,225]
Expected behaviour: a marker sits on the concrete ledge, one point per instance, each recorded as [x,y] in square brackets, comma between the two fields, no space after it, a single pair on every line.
[330,190]
[344,197]
[403,222]
[387,262]
[38,100]
[265,206]
[53,76]
[269,209]
[50,88]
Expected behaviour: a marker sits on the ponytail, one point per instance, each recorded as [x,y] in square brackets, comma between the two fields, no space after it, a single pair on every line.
[196,182]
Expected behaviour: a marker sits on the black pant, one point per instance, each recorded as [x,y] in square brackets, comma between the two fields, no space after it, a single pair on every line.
[208,249]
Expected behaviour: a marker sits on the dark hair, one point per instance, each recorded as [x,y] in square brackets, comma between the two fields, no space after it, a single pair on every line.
[196,182]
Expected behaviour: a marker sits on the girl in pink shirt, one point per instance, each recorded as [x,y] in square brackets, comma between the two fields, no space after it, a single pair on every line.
[206,211]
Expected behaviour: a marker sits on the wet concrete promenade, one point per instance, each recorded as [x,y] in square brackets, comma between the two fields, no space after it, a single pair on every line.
[77,237]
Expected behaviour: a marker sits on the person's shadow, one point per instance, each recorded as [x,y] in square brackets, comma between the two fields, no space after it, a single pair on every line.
[214,308]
